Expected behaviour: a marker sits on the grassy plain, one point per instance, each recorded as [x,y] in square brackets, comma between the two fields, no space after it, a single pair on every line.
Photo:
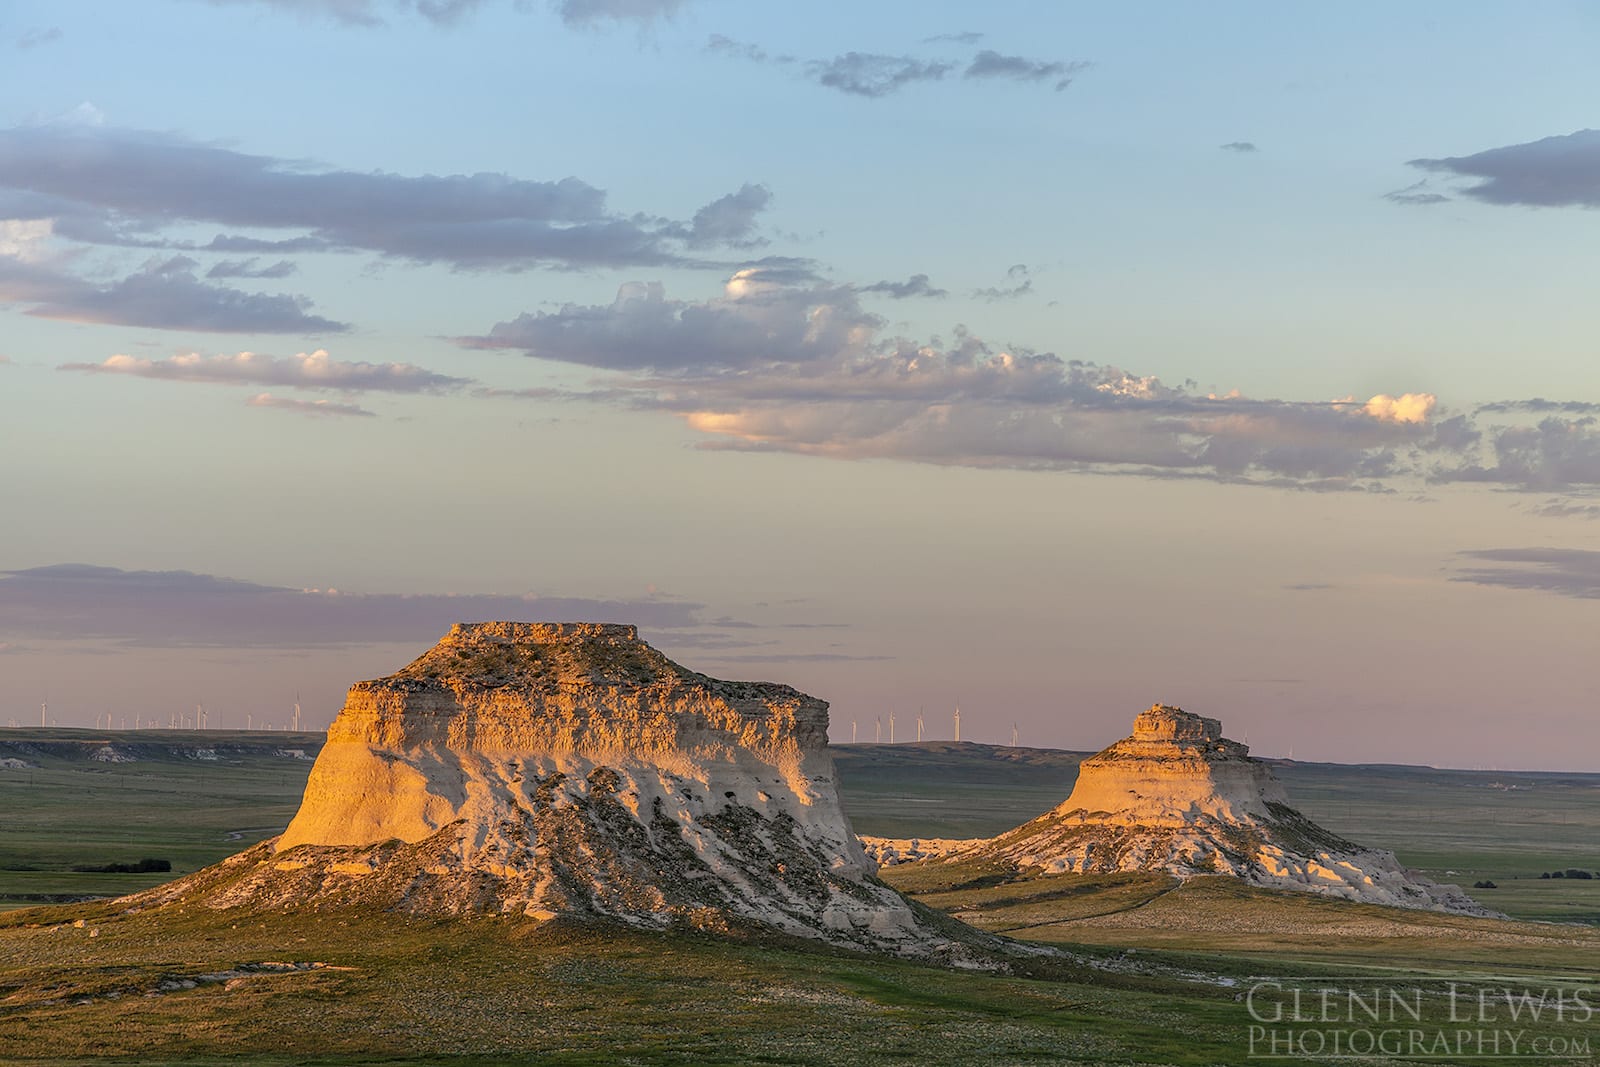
[186,797]
[1153,972]
[398,990]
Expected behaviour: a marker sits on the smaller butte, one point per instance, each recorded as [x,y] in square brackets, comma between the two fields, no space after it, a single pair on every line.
[1177,797]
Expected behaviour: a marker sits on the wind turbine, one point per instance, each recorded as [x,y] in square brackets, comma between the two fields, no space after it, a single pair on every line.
[1013,735]
[919,726]
[877,736]
[891,727]
[958,722]
[297,712]
[852,731]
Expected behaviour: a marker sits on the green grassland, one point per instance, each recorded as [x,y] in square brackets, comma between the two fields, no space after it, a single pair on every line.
[188,985]
[1146,970]
[186,797]
[398,989]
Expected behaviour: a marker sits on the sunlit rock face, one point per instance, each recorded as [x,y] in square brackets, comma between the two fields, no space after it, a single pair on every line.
[1178,797]
[548,769]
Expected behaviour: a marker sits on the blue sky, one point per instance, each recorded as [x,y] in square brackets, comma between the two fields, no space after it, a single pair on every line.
[1053,361]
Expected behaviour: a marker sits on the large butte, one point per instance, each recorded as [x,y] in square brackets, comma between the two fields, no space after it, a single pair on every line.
[540,770]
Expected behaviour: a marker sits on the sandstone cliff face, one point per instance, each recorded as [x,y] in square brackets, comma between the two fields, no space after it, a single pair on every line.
[547,769]
[1176,796]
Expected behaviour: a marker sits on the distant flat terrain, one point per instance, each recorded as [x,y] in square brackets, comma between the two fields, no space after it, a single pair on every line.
[85,798]
[93,798]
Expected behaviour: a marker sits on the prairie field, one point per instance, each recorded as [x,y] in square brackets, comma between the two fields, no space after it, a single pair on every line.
[1142,970]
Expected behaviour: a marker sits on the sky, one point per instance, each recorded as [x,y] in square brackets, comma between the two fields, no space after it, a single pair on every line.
[1048,360]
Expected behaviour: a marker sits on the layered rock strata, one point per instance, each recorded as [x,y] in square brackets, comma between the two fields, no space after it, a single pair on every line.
[550,769]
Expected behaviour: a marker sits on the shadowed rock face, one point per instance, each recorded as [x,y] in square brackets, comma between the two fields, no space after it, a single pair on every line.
[547,769]
[1178,797]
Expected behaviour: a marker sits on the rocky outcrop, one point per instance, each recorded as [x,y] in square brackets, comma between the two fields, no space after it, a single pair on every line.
[572,769]
[1178,797]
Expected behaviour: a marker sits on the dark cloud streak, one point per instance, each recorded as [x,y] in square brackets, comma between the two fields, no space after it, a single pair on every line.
[1560,171]
[180,608]
[120,187]
[1569,572]
[164,294]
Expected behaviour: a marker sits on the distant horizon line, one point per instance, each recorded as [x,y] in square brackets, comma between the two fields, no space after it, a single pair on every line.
[926,742]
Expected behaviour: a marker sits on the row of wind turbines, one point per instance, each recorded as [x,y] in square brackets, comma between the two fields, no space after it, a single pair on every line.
[177,720]
[878,728]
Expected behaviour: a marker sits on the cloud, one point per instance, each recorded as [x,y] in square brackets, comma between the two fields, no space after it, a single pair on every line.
[916,285]
[225,242]
[1554,454]
[367,13]
[727,46]
[307,407]
[1571,572]
[544,392]
[179,608]
[1417,194]
[313,370]
[246,268]
[730,220]
[874,74]
[1560,171]
[163,294]
[1018,285]
[757,321]
[1565,509]
[586,13]
[37,36]
[871,75]
[1239,146]
[965,37]
[1407,407]
[1540,406]
[25,240]
[804,368]
[364,12]
[123,187]
[991,64]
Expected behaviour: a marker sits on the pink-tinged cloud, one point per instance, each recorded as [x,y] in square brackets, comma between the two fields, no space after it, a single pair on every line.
[307,370]
[1407,407]
[784,361]
[307,407]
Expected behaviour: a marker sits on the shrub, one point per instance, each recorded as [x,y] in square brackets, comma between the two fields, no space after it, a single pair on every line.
[144,866]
